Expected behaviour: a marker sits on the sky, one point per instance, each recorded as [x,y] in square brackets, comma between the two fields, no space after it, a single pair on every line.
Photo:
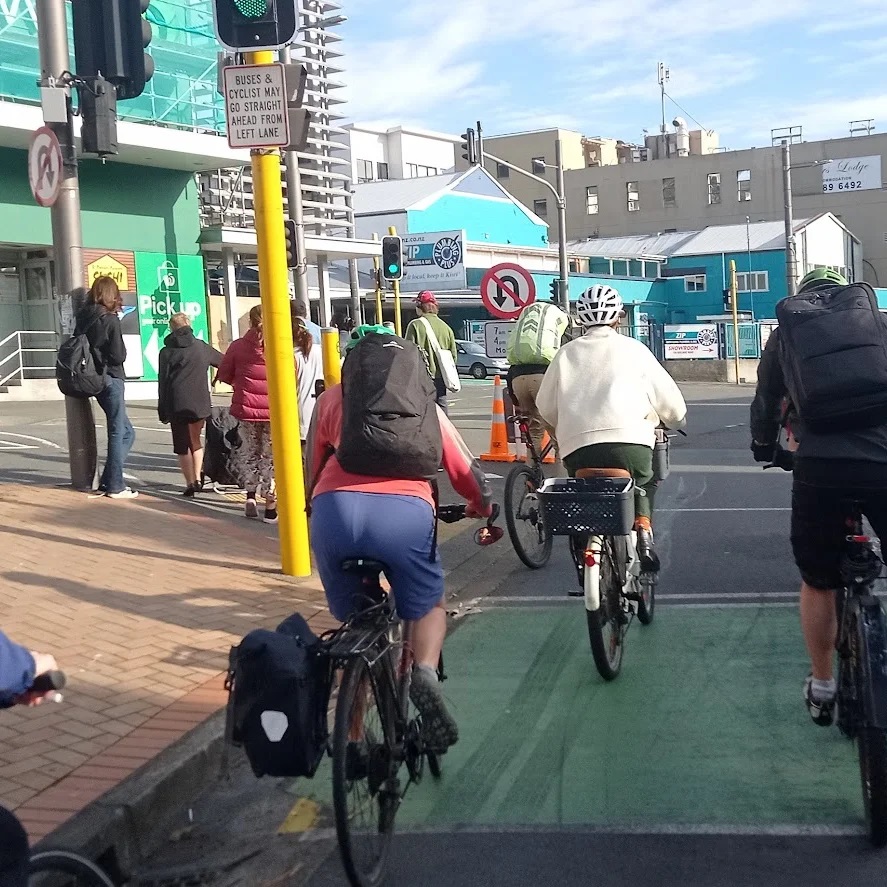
[739,68]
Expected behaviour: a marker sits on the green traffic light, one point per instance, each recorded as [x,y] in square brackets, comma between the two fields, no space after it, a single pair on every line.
[392,269]
[251,8]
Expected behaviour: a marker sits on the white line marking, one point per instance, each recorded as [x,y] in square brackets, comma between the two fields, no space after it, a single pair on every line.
[775,830]
[9,445]
[765,597]
[40,440]
[133,477]
[714,510]
[704,403]
[493,476]
[155,429]
[725,469]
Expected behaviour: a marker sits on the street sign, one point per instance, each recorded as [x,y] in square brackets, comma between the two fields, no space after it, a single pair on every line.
[255,106]
[496,333]
[506,290]
[45,166]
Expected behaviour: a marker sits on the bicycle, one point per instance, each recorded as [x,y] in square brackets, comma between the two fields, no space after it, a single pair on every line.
[375,733]
[61,868]
[523,517]
[861,645]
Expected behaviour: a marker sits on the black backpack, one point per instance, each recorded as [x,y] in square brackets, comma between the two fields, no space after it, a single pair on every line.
[75,369]
[833,345]
[389,415]
[222,442]
[279,689]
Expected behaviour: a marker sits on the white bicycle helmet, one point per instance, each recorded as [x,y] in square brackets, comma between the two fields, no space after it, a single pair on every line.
[599,305]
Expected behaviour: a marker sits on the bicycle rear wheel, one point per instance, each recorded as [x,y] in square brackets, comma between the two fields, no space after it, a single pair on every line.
[872,746]
[59,868]
[646,585]
[523,518]
[365,799]
[607,624]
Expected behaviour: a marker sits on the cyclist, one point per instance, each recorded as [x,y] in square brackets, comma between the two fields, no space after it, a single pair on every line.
[829,469]
[532,344]
[390,520]
[18,668]
[603,397]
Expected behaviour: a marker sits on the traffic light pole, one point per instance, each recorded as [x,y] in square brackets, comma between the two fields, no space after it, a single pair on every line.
[279,361]
[398,321]
[67,236]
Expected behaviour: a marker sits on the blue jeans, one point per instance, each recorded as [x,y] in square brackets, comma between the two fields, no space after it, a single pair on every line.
[121,435]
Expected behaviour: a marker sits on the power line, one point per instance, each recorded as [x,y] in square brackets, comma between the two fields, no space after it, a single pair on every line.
[686,112]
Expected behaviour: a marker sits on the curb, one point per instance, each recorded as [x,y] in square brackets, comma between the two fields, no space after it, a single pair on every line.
[120,828]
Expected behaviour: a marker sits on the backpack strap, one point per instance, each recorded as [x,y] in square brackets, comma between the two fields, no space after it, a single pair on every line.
[435,495]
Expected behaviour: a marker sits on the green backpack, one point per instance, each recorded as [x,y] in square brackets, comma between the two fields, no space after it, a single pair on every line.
[537,335]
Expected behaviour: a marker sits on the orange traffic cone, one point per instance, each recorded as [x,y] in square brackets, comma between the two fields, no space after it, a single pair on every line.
[549,459]
[499,451]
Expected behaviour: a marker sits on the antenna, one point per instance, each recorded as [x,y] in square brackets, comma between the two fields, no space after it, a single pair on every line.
[664,76]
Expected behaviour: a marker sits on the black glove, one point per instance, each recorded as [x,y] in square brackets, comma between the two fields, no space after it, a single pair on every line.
[763,452]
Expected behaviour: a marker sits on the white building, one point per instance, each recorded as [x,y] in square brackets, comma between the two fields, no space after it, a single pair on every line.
[398,153]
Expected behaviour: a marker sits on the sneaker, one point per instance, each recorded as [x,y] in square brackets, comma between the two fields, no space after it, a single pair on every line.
[822,712]
[251,509]
[270,516]
[125,493]
[439,729]
[647,551]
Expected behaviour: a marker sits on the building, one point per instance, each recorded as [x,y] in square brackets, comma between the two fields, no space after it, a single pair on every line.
[687,193]
[398,153]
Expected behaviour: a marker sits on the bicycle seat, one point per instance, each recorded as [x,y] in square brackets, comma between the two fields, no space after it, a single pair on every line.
[363,566]
[583,473]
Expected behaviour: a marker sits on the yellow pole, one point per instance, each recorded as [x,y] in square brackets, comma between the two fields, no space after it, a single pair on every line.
[332,363]
[295,555]
[734,297]
[398,322]
[378,280]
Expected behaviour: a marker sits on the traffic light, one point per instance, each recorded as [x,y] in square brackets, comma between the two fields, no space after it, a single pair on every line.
[728,300]
[554,286]
[469,146]
[250,25]
[392,258]
[110,38]
[289,233]
[98,109]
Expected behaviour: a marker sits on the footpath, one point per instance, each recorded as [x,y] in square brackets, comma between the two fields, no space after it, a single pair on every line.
[139,602]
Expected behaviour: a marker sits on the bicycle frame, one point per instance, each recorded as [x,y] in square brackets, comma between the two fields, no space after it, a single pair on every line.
[591,575]
[534,457]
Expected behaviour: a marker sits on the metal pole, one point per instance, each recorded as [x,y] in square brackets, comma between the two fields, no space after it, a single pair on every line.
[480,143]
[356,305]
[296,212]
[735,307]
[563,282]
[377,276]
[295,556]
[67,237]
[791,256]
[751,292]
[398,321]
[332,361]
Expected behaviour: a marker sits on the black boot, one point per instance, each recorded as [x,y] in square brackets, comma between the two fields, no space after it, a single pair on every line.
[647,551]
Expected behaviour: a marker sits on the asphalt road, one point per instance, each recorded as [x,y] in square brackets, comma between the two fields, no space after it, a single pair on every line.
[697,766]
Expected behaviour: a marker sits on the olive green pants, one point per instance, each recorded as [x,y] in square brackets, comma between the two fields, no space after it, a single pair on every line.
[635,458]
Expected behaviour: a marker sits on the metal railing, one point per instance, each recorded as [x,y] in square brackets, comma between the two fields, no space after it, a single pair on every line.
[18,362]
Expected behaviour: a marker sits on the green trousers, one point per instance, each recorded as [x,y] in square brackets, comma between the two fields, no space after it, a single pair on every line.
[635,458]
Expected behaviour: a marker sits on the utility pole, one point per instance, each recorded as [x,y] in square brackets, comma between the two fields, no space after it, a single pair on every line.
[563,282]
[67,236]
[734,298]
[479,142]
[791,255]
[664,76]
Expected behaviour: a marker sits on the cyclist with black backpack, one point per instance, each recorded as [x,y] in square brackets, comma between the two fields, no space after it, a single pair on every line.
[374,448]
[829,358]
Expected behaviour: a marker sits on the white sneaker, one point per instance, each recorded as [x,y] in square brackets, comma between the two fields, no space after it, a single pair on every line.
[125,493]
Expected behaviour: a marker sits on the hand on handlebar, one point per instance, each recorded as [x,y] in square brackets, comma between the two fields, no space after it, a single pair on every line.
[46,681]
[472,512]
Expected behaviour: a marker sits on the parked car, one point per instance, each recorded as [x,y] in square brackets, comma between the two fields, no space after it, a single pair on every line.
[472,360]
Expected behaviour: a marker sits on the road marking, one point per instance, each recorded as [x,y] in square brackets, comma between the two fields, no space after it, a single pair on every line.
[723,469]
[40,440]
[710,510]
[704,403]
[301,818]
[155,429]
[788,830]
[9,445]
[493,476]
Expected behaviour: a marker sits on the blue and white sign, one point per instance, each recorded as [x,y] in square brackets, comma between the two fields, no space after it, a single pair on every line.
[433,261]
[691,341]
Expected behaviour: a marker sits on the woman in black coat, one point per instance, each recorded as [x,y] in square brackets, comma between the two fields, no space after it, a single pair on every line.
[183,394]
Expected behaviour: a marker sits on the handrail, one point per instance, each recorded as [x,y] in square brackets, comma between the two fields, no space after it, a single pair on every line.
[19,351]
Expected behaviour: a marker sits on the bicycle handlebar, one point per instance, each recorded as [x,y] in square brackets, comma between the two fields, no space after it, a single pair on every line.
[50,680]
[486,535]
[782,458]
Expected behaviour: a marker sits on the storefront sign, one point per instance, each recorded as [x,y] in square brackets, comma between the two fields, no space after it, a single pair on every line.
[433,261]
[691,341]
[852,174]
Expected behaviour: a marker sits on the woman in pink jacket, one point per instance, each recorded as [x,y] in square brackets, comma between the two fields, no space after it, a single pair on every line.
[243,367]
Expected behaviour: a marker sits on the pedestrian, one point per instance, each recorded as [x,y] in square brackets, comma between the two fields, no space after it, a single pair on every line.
[99,321]
[184,400]
[309,371]
[243,367]
[433,337]
[300,310]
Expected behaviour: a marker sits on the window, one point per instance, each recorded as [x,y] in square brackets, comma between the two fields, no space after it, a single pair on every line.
[619,267]
[417,170]
[743,185]
[591,200]
[714,188]
[669,195]
[537,166]
[540,207]
[382,171]
[502,171]
[634,197]
[760,281]
[364,171]
[695,283]
[651,270]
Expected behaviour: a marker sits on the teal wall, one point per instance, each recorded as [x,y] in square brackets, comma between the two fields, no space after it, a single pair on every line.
[123,207]
[484,219]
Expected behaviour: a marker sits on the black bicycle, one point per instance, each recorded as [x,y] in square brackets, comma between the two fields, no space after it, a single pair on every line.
[61,868]
[376,731]
[862,661]
[523,516]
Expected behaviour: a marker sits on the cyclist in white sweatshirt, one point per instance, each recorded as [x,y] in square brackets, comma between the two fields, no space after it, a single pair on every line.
[603,397]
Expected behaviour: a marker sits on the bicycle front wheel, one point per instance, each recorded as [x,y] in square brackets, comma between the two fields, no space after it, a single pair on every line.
[872,746]
[607,624]
[59,868]
[365,799]
[523,518]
